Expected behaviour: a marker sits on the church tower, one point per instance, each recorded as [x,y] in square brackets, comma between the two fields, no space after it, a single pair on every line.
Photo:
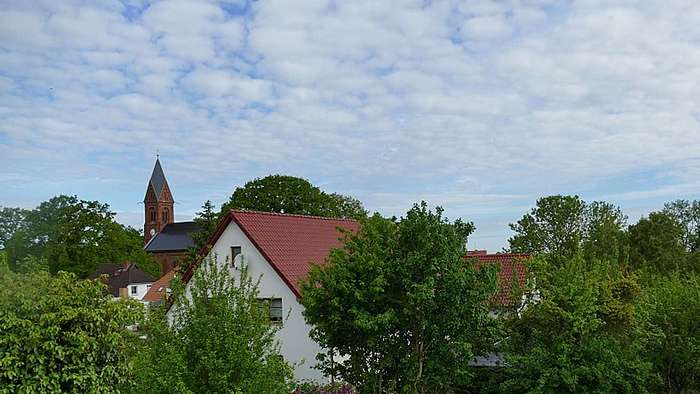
[158,204]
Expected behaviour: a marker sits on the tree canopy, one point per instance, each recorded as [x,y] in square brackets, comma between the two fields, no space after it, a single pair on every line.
[401,306]
[566,225]
[60,334]
[74,235]
[288,194]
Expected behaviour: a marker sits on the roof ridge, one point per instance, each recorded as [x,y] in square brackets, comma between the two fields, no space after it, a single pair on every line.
[298,215]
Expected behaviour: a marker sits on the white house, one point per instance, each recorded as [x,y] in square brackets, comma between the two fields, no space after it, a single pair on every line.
[280,249]
[124,279]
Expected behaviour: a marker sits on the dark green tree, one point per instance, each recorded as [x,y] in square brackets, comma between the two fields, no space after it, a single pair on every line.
[60,334]
[218,341]
[580,333]
[75,236]
[288,194]
[401,306]
[656,244]
[207,219]
[11,221]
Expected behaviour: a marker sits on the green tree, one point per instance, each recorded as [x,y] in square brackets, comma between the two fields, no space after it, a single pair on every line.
[401,306]
[288,194]
[207,220]
[11,221]
[687,214]
[59,334]
[567,225]
[656,244]
[672,305]
[579,333]
[218,340]
[75,236]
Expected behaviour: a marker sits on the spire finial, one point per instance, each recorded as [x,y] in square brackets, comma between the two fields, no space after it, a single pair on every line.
[157,154]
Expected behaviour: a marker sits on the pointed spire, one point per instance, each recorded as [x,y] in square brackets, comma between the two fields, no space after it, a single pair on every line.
[157,181]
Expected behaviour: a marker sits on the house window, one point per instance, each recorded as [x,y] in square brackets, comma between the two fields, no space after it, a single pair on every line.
[274,306]
[133,289]
[235,251]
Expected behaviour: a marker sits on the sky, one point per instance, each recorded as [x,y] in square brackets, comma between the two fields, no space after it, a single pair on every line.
[477,106]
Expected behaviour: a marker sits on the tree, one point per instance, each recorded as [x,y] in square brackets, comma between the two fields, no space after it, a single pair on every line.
[567,225]
[656,244]
[672,305]
[401,306]
[687,214]
[288,194]
[75,236]
[207,220]
[582,335]
[218,339]
[60,334]
[11,221]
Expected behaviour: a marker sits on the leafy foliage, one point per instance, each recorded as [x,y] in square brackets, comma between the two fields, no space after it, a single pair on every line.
[672,306]
[687,214]
[59,334]
[11,221]
[567,225]
[288,194]
[75,236]
[219,340]
[401,306]
[582,335]
[656,244]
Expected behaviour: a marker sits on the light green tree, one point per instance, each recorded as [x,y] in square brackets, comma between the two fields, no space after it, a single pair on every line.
[401,306]
[219,339]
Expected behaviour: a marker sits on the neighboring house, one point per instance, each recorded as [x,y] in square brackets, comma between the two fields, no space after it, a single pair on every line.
[279,249]
[166,240]
[124,280]
[160,289]
[512,274]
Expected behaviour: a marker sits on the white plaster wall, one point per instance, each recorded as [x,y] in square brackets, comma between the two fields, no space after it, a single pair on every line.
[141,290]
[296,346]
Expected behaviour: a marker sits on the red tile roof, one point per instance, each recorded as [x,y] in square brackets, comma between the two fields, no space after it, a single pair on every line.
[159,288]
[512,268]
[290,243]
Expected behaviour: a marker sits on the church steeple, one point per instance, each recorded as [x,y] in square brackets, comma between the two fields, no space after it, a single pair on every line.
[158,204]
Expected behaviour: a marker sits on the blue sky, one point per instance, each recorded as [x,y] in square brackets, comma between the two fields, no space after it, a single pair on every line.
[478,106]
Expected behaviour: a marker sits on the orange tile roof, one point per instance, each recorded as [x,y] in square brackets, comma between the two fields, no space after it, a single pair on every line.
[290,243]
[512,269]
[158,290]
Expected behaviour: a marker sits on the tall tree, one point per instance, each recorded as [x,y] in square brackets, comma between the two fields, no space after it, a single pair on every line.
[687,214]
[75,236]
[401,306]
[11,221]
[218,340]
[581,335]
[656,244]
[288,194]
[60,334]
[566,225]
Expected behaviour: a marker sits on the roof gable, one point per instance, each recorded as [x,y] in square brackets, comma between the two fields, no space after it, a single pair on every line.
[290,243]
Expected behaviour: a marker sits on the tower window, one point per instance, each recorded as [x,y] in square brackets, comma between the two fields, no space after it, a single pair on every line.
[152,214]
[166,215]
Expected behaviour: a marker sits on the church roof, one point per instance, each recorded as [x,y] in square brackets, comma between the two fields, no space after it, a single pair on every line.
[157,182]
[173,237]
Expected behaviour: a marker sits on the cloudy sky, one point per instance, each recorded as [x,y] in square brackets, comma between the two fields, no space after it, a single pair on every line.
[478,106]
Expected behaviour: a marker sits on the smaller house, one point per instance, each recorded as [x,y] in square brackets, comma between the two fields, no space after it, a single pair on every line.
[124,280]
[160,289]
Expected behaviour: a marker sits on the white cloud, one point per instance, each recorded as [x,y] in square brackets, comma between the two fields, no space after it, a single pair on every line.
[389,101]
